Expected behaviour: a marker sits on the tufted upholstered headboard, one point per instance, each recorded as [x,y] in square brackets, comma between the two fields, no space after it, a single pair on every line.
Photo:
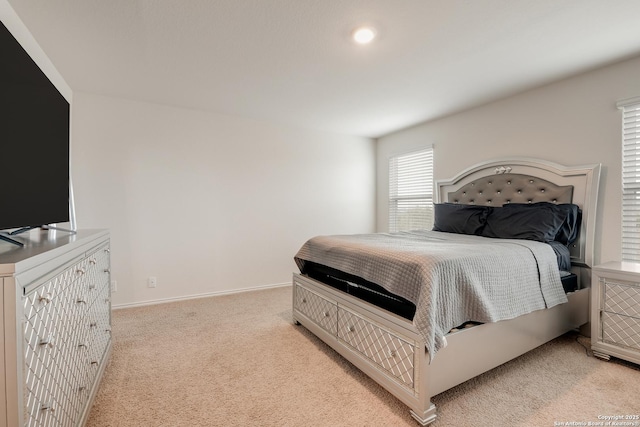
[526,180]
[510,188]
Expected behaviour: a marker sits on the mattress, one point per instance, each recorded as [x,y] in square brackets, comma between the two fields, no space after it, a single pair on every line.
[377,295]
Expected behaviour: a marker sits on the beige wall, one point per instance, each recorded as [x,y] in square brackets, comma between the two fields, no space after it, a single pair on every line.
[210,203]
[571,122]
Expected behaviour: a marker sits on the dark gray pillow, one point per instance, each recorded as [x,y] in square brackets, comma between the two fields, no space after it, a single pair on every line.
[570,230]
[536,221]
[461,219]
[570,214]
[562,255]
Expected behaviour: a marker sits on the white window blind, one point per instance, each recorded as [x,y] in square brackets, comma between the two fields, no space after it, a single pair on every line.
[630,179]
[411,191]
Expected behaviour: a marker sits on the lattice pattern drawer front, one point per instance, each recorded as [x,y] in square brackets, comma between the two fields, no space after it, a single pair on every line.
[37,301]
[321,311]
[92,282]
[66,332]
[622,299]
[99,326]
[52,371]
[98,272]
[388,351]
[102,256]
[621,330]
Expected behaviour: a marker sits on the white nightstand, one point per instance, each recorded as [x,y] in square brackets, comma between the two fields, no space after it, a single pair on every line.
[615,311]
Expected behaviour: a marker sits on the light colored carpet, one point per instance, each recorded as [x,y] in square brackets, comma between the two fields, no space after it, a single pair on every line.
[238,360]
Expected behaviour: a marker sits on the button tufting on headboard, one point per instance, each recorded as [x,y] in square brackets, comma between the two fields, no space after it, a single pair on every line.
[513,188]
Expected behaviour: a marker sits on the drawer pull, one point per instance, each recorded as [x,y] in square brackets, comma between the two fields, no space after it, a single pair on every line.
[94,362]
[351,329]
[92,261]
[82,344]
[107,270]
[48,341]
[391,354]
[325,313]
[80,271]
[82,388]
[107,250]
[304,300]
[44,299]
[47,407]
[93,324]
[79,300]
[108,330]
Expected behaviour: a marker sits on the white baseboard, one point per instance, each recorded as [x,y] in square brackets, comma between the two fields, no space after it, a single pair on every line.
[205,295]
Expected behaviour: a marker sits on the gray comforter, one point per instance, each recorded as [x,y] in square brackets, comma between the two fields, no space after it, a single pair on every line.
[451,278]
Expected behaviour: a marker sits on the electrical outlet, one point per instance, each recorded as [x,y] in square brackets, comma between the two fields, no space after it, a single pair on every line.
[152,282]
[114,286]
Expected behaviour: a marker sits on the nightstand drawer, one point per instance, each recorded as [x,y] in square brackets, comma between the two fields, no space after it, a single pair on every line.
[621,330]
[622,298]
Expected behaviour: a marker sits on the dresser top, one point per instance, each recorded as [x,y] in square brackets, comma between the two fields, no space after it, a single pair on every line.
[42,245]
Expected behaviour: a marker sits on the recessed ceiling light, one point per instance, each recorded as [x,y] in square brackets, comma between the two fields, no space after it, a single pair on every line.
[364,35]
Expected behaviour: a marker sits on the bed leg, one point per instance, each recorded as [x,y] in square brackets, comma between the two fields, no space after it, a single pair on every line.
[427,417]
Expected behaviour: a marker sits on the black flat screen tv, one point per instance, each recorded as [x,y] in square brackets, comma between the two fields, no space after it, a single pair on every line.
[34,142]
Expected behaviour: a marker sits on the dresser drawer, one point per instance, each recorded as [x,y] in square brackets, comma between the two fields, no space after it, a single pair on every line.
[322,311]
[39,298]
[97,272]
[622,298]
[386,350]
[52,335]
[98,323]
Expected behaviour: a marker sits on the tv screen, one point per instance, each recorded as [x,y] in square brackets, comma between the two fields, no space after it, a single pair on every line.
[34,142]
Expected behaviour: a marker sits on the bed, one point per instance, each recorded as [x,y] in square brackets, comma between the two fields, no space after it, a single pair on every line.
[416,339]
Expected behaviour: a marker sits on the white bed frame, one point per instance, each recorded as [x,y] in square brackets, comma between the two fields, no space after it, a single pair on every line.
[389,349]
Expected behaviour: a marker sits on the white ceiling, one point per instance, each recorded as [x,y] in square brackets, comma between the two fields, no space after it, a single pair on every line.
[292,62]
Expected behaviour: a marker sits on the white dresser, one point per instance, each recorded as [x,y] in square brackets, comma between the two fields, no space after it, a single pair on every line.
[615,311]
[56,324]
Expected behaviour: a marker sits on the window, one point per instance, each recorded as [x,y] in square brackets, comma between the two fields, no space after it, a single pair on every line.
[411,191]
[630,179]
